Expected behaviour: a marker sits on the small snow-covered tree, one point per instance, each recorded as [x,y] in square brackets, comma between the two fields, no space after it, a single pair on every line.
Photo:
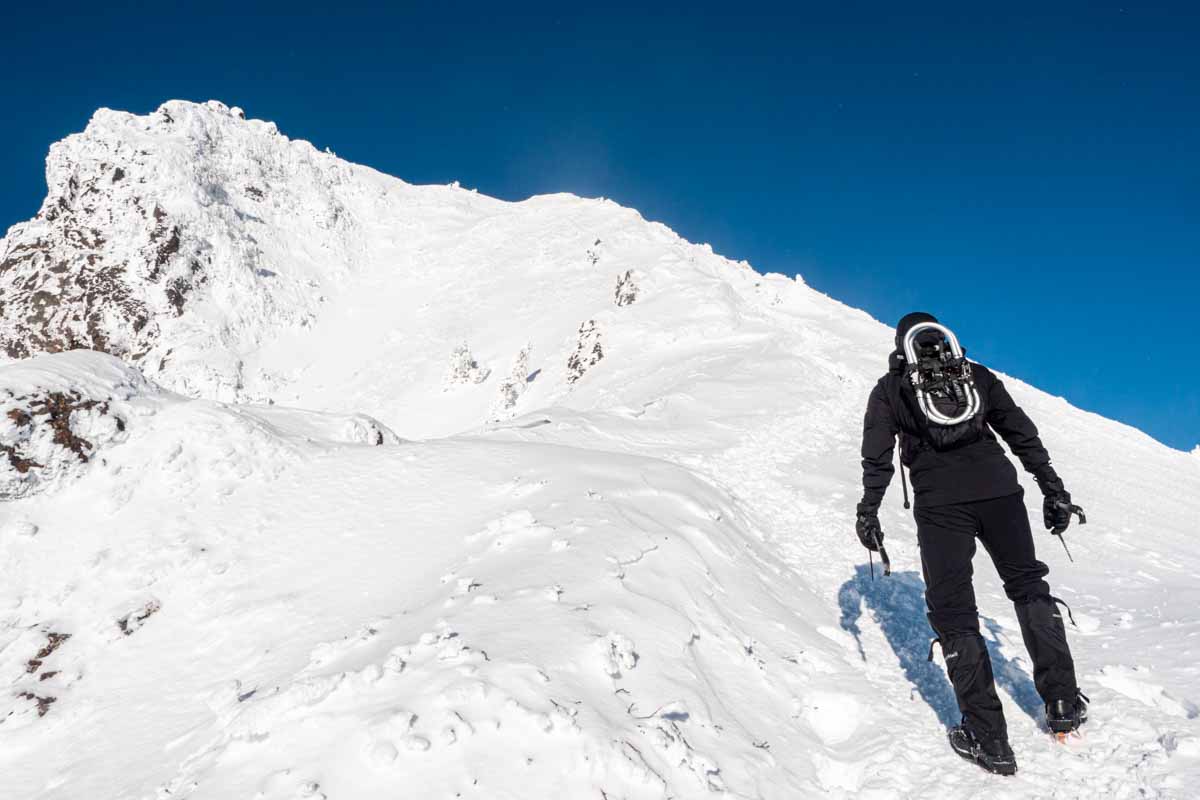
[513,386]
[463,367]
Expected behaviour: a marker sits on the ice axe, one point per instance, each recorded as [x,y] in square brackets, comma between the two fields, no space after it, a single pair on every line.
[883,556]
[1060,529]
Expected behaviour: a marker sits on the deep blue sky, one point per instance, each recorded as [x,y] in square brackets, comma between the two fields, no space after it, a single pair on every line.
[1032,176]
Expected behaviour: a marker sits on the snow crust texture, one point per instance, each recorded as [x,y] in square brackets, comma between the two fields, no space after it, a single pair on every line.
[317,484]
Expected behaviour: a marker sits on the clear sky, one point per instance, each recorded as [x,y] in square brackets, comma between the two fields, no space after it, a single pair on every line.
[1028,172]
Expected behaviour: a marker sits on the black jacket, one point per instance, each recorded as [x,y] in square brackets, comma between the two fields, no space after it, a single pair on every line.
[957,464]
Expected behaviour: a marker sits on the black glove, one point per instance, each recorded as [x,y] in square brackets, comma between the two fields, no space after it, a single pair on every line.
[1056,503]
[1056,510]
[868,530]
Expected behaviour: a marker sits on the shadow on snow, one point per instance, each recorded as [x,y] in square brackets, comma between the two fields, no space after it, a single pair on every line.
[897,604]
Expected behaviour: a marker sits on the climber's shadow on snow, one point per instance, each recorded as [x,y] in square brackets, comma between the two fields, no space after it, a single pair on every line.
[897,604]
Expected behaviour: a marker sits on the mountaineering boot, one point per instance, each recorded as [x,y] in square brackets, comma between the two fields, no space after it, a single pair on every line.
[993,754]
[1065,716]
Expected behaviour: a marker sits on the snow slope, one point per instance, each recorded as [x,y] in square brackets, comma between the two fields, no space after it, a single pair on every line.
[568,513]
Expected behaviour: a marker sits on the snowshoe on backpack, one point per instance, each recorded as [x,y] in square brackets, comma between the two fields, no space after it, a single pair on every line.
[940,375]
[1065,716]
[991,753]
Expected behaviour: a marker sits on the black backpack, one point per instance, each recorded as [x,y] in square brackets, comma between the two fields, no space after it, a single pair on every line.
[931,378]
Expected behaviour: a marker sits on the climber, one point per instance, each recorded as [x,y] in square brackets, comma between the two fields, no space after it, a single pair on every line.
[947,411]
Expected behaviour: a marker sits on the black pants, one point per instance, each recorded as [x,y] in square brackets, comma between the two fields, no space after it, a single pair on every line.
[947,538]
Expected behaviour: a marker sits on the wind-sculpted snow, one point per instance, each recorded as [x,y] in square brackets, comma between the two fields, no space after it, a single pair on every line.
[62,414]
[497,618]
[611,557]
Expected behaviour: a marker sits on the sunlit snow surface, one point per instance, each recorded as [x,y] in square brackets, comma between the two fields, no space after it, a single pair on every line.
[569,515]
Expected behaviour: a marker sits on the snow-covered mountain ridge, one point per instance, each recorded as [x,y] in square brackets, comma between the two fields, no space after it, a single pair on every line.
[398,489]
[192,241]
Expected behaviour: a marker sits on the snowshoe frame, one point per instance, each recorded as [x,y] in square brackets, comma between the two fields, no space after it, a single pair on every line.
[962,380]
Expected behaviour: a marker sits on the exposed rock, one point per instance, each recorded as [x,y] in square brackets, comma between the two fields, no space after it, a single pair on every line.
[54,425]
[588,352]
[54,640]
[134,619]
[43,703]
[44,435]
[627,289]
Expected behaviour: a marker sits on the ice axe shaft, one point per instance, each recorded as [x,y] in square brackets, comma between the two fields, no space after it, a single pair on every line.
[883,556]
[1064,544]
[1058,531]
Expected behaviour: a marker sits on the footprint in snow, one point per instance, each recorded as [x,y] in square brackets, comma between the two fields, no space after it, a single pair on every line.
[519,488]
[381,753]
[391,733]
[18,528]
[463,587]
[501,533]
[327,652]
[833,716]
[289,783]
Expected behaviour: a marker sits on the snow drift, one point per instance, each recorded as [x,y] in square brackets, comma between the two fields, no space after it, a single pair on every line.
[612,555]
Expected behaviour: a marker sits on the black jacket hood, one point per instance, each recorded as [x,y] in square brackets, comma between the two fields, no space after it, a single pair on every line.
[906,323]
[909,321]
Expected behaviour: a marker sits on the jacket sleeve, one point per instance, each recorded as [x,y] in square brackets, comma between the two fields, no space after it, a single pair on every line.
[878,444]
[1019,433]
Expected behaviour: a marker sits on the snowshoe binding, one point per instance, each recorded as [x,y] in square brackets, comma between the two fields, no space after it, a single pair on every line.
[993,754]
[1064,717]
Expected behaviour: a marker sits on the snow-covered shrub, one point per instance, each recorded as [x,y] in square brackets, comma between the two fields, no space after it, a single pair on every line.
[463,368]
[513,386]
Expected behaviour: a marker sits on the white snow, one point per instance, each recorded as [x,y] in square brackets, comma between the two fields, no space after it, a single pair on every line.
[612,555]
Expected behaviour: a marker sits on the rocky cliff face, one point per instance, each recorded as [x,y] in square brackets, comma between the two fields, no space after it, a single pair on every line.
[153,243]
[63,288]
